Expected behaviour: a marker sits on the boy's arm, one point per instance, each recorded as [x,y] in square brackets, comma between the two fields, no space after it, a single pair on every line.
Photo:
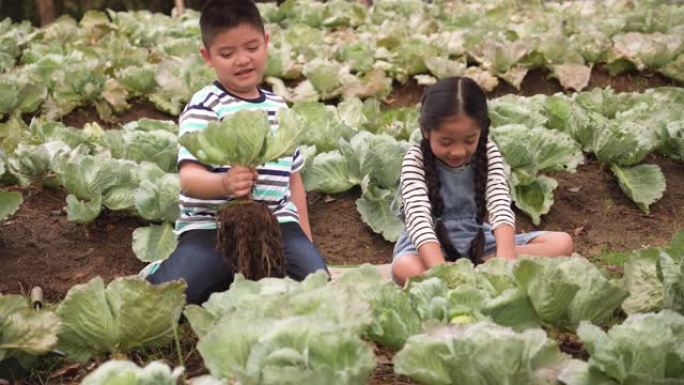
[197,179]
[299,199]
[198,182]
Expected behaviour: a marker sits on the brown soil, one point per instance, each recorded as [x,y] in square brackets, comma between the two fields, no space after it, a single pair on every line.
[41,248]
[339,233]
[538,81]
[73,373]
[60,371]
[571,344]
[383,374]
[140,108]
[601,217]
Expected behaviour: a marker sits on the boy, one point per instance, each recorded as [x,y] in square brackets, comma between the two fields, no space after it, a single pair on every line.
[235,45]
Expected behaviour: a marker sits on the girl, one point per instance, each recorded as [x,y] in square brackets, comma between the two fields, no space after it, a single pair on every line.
[450,181]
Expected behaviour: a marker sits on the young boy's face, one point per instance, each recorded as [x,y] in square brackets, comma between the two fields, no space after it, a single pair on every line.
[238,56]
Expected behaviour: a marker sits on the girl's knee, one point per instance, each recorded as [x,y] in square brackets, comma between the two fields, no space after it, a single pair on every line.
[406,267]
[561,243]
[564,243]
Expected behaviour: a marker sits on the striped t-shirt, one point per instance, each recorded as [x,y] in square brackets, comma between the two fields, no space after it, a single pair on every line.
[417,209]
[213,103]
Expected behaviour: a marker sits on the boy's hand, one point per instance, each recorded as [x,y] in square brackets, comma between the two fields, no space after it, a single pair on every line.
[239,180]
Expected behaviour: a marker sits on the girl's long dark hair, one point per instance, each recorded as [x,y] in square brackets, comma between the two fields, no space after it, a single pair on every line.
[445,100]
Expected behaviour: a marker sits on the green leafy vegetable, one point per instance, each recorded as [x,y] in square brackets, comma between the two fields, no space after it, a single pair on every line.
[117,372]
[24,330]
[127,314]
[646,348]
[244,138]
[481,353]
[154,243]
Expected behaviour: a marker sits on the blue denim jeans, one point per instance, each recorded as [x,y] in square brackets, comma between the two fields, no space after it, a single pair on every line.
[198,262]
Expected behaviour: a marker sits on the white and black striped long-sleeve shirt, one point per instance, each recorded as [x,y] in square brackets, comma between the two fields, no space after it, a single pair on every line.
[419,220]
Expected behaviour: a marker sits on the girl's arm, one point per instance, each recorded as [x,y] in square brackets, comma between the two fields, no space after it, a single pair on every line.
[418,209]
[498,199]
[505,242]
[431,254]
[299,200]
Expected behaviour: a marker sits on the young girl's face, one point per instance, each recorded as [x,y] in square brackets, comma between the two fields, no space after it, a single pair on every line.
[455,140]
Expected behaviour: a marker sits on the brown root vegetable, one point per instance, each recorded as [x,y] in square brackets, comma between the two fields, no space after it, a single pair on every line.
[249,239]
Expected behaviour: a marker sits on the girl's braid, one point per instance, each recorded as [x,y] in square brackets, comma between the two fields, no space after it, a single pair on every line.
[481,164]
[434,185]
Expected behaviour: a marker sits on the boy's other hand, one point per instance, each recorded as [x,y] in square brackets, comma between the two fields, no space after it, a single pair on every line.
[239,180]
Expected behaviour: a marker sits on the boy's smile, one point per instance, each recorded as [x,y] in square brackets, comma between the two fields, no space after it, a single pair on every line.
[238,56]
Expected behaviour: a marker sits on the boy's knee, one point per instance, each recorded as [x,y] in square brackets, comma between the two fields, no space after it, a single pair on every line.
[302,257]
[304,261]
[199,292]
[313,260]
[202,269]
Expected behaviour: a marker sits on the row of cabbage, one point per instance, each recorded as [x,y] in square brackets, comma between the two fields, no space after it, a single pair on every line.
[535,134]
[620,130]
[334,48]
[132,169]
[486,40]
[457,324]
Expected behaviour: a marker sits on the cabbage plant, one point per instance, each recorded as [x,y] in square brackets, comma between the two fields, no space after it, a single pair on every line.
[25,332]
[645,349]
[481,353]
[10,202]
[527,293]
[116,372]
[126,314]
[279,331]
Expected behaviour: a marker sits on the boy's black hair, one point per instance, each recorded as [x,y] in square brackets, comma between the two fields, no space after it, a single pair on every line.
[445,100]
[220,15]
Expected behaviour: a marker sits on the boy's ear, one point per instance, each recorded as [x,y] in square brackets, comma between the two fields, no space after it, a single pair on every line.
[267,37]
[205,55]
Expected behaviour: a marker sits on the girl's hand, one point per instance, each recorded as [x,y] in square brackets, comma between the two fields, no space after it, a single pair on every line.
[238,181]
[431,254]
